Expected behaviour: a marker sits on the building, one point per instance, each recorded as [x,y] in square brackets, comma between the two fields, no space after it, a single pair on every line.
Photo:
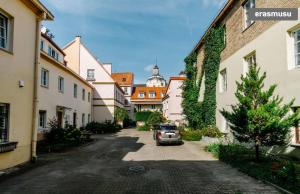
[107,94]
[63,94]
[273,45]
[20,23]
[156,80]
[126,81]
[148,97]
[172,109]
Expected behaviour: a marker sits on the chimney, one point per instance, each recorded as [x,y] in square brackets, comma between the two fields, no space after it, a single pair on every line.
[77,38]
[107,67]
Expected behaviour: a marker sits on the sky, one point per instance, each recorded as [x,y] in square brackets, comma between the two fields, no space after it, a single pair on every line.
[132,34]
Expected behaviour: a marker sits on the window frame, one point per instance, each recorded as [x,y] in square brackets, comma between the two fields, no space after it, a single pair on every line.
[152,95]
[61,83]
[44,114]
[141,95]
[6,31]
[247,65]
[83,119]
[83,94]
[4,135]
[296,52]
[88,73]
[246,10]
[75,90]
[45,79]
[223,81]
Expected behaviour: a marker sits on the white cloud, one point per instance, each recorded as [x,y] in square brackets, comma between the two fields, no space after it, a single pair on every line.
[148,68]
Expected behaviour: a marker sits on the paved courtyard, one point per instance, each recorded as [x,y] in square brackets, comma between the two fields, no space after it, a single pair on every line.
[129,162]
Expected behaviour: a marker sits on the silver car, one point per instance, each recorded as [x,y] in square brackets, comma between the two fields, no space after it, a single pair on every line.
[167,134]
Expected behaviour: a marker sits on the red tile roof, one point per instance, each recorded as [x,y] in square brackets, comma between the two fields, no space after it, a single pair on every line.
[123,78]
[146,90]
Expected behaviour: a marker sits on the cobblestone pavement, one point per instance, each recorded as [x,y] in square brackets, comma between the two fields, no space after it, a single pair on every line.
[129,162]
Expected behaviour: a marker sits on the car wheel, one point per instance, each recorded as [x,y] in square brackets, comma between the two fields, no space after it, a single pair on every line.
[157,143]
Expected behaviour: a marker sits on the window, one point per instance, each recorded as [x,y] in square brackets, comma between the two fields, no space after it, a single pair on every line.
[83,94]
[125,90]
[3,32]
[89,97]
[53,53]
[89,118]
[126,102]
[44,78]
[61,84]
[90,74]
[153,106]
[42,119]
[296,35]
[4,120]
[152,94]
[75,91]
[123,79]
[83,120]
[42,45]
[223,81]
[141,95]
[247,6]
[250,60]
[74,119]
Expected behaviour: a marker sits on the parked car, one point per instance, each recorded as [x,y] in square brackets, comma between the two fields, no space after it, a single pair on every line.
[166,134]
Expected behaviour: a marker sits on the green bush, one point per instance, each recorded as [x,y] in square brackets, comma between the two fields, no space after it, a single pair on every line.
[144,128]
[155,118]
[191,135]
[278,170]
[106,127]
[214,149]
[211,131]
[142,116]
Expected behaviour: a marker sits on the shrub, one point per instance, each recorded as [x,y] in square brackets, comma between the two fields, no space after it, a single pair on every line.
[191,135]
[155,118]
[211,131]
[142,116]
[105,127]
[121,114]
[144,128]
[214,149]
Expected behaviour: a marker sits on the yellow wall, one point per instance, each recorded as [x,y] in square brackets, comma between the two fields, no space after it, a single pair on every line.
[15,66]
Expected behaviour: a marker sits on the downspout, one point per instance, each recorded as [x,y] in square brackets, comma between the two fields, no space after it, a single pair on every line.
[35,90]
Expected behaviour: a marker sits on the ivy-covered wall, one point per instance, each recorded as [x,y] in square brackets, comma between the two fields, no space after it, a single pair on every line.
[203,114]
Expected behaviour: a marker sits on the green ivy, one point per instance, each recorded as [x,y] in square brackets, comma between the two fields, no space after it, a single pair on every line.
[203,114]
[214,44]
[190,93]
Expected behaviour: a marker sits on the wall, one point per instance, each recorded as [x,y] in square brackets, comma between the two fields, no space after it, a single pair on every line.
[50,97]
[272,50]
[72,57]
[15,66]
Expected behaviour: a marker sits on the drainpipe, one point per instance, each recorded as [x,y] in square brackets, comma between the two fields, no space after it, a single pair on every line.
[35,90]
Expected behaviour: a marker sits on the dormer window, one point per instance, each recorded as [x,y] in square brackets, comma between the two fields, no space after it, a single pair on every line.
[53,53]
[152,94]
[141,95]
[123,79]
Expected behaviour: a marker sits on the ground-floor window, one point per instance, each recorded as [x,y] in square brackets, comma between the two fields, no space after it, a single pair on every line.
[4,120]
[83,120]
[74,119]
[152,106]
[42,119]
[89,118]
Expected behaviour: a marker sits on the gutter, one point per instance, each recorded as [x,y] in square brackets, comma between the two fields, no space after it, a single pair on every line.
[35,90]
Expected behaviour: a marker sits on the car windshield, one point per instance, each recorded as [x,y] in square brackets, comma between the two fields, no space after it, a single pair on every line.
[167,128]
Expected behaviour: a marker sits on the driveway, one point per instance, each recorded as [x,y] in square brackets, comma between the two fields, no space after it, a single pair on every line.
[129,162]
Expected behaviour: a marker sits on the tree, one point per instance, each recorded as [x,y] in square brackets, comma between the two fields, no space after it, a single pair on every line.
[259,117]
[121,114]
[155,119]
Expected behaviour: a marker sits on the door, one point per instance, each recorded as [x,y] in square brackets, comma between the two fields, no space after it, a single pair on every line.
[59,118]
